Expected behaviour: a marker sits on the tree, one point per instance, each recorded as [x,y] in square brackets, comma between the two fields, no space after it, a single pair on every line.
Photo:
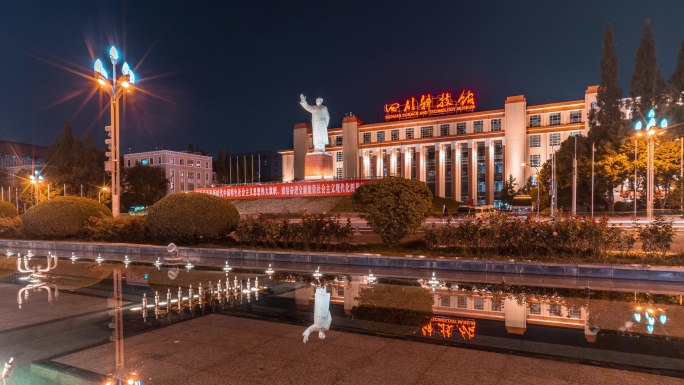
[508,191]
[143,185]
[394,207]
[220,167]
[674,90]
[606,122]
[647,85]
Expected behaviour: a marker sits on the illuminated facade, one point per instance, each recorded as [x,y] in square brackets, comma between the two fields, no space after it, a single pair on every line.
[185,170]
[461,154]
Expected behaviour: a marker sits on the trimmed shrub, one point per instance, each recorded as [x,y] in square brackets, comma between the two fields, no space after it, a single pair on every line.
[7,210]
[394,207]
[61,217]
[191,217]
[10,227]
[128,229]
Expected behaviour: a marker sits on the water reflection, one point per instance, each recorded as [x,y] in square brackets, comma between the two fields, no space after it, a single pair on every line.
[619,326]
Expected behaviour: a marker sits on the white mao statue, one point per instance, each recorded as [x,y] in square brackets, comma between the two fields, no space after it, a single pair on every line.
[322,317]
[319,122]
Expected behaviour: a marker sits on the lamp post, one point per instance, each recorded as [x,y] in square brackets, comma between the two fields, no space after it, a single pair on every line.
[649,130]
[35,179]
[538,184]
[115,88]
[574,181]
[99,193]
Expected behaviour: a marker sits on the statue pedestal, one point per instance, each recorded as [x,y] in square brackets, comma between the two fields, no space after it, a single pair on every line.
[318,166]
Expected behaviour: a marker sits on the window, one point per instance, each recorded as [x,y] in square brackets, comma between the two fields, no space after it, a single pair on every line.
[445,301]
[339,156]
[574,312]
[426,132]
[409,133]
[444,130]
[137,162]
[199,177]
[575,116]
[555,310]
[478,304]
[151,160]
[191,163]
[206,164]
[460,128]
[496,124]
[575,133]
[128,162]
[338,140]
[535,309]
[191,175]
[380,136]
[338,173]
[206,176]
[535,120]
[462,302]
[394,135]
[181,162]
[173,173]
[535,160]
[554,139]
[172,160]
[554,119]
[366,137]
[478,126]
[159,160]
[535,141]
[496,305]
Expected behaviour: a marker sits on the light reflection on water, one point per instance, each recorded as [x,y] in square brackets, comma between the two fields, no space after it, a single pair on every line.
[633,324]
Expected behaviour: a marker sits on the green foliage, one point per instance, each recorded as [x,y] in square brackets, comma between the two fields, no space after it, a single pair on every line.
[312,231]
[126,229]
[344,204]
[657,236]
[508,192]
[61,217]
[438,204]
[394,207]
[7,210]
[507,236]
[10,227]
[143,185]
[647,84]
[191,217]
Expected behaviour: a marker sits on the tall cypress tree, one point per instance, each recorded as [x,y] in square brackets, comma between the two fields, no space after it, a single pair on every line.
[677,79]
[647,85]
[606,122]
[674,90]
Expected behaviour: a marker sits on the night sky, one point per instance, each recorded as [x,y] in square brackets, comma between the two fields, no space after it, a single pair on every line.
[228,74]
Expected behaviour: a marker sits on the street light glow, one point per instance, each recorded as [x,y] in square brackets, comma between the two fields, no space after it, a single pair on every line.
[113,54]
[98,66]
[125,69]
[131,77]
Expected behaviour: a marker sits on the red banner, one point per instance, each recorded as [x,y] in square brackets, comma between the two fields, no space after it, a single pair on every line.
[285,190]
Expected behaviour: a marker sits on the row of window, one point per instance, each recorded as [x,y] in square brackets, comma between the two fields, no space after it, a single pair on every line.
[462,303]
[555,118]
[426,131]
[556,310]
[172,160]
[554,139]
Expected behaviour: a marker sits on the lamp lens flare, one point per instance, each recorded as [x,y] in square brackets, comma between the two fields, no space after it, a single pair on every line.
[125,69]
[113,53]
[131,77]
[98,66]
[637,126]
[101,81]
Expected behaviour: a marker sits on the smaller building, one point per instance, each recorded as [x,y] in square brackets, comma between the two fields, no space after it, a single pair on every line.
[185,170]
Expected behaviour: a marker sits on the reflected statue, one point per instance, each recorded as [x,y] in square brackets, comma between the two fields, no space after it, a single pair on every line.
[319,122]
[322,317]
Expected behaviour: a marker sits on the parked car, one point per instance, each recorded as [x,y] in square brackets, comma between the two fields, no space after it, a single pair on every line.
[474,212]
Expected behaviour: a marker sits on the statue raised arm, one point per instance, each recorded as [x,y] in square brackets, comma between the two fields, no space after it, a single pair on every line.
[319,122]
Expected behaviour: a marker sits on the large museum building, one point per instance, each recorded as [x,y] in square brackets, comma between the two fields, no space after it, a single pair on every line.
[458,152]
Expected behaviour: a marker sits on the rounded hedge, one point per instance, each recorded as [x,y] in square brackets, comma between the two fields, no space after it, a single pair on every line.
[61,217]
[7,210]
[190,217]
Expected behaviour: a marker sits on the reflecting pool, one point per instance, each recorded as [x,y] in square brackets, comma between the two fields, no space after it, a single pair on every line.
[98,318]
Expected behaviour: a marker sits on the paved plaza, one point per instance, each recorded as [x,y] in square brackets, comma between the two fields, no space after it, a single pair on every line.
[218,349]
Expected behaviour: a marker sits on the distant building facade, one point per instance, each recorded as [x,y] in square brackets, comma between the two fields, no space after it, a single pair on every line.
[16,156]
[465,156]
[185,170]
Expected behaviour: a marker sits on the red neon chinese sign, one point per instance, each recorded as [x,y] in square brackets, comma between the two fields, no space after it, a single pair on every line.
[446,327]
[429,105]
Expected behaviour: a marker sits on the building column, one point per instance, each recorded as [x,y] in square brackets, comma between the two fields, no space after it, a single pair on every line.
[455,172]
[421,167]
[489,172]
[351,162]
[472,172]
[406,170]
[440,170]
[393,162]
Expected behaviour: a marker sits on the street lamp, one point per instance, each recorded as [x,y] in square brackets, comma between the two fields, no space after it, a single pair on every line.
[115,89]
[649,131]
[99,193]
[538,184]
[35,179]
